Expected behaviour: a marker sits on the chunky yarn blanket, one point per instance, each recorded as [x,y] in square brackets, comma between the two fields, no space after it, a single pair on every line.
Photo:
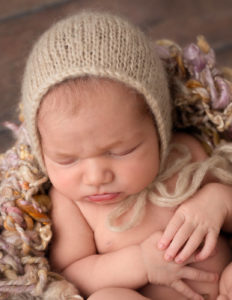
[202,101]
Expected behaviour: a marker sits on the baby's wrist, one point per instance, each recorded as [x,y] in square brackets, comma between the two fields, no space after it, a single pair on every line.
[150,255]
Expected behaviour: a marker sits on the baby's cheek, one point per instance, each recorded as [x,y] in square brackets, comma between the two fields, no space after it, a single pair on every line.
[58,180]
[139,176]
[150,169]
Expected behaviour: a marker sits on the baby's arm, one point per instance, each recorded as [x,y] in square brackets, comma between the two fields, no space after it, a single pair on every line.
[73,253]
[198,219]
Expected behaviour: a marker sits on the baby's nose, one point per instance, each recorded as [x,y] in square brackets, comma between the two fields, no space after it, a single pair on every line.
[97,173]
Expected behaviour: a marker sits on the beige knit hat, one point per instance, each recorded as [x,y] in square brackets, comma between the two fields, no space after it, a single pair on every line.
[98,44]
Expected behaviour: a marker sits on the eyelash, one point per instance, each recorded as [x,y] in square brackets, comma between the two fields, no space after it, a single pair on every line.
[68,162]
[124,152]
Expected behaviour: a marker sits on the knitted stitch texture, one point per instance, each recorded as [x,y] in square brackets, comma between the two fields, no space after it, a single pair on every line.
[101,45]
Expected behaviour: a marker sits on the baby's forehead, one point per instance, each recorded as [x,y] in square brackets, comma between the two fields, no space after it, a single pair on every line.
[71,96]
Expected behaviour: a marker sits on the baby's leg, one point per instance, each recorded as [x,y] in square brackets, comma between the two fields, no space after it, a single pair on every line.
[209,291]
[116,294]
[225,285]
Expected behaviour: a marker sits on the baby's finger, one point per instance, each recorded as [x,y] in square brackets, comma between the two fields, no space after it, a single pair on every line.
[185,290]
[192,244]
[197,275]
[170,231]
[180,238]
[209,246]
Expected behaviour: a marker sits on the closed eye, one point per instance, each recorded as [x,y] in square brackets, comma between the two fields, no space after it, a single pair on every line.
[67,162]
[124,152]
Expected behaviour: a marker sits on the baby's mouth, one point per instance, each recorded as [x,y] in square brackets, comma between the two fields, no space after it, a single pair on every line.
[103,197]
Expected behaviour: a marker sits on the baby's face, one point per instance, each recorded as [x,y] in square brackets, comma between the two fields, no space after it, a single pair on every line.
[105,151]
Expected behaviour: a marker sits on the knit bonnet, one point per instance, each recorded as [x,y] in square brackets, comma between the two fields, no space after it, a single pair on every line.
[99,45]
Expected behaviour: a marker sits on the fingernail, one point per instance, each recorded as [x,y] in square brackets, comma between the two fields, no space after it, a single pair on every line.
[178,260]
[161,246]
[168,257]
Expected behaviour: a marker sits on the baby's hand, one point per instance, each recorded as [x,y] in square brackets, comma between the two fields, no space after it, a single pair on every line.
[171,274]
[197,222]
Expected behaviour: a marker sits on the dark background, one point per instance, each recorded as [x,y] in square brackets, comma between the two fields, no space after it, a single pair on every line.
[22,21]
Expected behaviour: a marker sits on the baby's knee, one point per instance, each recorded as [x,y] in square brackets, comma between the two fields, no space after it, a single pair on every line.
[225,285]
[117,293]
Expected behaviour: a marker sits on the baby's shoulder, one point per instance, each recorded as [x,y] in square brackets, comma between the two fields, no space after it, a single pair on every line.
[66,212]
[194,146]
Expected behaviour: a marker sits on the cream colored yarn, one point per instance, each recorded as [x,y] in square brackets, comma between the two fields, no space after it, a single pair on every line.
[96,44]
